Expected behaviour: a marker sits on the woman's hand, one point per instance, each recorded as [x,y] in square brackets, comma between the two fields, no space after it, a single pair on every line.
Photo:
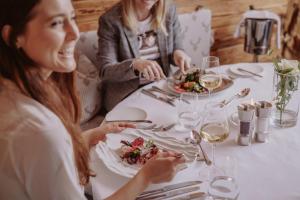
[96,134]
[160,168]
[182,60]
[150,69]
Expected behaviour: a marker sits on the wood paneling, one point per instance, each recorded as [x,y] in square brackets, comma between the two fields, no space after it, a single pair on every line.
[291,46]
[226,15]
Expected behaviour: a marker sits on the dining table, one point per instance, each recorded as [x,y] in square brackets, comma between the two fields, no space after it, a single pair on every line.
[263,170]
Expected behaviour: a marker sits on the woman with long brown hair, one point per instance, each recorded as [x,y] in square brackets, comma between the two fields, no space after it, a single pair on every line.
[138,41]
[43,153]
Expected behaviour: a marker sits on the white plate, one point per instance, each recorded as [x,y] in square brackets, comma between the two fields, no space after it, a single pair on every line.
[108,152]
[255,68]
[126,113]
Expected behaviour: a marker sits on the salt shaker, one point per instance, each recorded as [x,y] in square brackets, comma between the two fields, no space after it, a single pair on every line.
[246,114]
[263,112]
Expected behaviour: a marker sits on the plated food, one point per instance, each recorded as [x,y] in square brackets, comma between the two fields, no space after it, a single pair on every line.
[139,151]
[191,82]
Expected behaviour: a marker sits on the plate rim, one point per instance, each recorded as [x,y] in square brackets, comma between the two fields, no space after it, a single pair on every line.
[243,67]
[108,116]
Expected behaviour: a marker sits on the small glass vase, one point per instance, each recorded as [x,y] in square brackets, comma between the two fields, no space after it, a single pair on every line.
[286,98]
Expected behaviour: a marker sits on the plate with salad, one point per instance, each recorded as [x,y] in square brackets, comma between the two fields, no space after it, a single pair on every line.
[125,153]
[181,83]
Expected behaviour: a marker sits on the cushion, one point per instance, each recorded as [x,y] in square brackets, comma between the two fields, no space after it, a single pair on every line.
[88,84]
[88,45]
[196,27]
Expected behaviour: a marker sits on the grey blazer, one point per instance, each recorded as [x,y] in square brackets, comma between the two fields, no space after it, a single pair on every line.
[118,46]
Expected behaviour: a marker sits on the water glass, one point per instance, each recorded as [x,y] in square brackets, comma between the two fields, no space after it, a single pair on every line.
[188,112]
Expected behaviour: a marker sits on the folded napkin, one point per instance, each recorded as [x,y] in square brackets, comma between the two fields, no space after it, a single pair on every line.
[260,14]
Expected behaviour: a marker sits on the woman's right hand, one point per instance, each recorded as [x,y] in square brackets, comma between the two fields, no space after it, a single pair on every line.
[161,168]
[150,69]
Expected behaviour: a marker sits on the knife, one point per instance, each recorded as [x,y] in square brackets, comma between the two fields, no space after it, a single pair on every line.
[164,92]
[170,193]
[157,89]
[190,196]
[146,92]
[135,121]
[170,187]
[254,74]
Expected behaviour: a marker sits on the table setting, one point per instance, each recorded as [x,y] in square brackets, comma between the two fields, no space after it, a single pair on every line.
[255,157]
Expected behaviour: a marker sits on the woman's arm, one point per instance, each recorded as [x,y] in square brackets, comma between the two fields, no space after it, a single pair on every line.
[179,57]
[161,168]
[93,136]
[112,68]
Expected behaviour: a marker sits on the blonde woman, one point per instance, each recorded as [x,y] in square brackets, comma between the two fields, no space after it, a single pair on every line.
[43,154]
[138,40]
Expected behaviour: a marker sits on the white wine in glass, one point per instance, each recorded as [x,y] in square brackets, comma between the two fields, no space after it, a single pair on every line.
[214,132]
[214,129]
[210,81]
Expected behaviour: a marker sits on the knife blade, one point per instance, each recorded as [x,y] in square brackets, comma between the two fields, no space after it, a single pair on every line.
[147,92]
[135,121]
[190,196]
[249,72]
[170,187]
[157,89]
[170,193]
[164,92]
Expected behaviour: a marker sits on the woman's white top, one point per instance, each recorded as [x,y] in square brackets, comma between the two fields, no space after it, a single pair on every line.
[36,152]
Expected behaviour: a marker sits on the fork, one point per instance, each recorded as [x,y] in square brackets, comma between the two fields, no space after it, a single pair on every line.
[162,128]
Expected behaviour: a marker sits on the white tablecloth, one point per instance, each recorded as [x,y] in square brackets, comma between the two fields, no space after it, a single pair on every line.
[265,171]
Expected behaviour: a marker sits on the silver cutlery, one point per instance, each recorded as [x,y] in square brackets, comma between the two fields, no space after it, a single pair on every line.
[133,121]
[197,138]
[194,195]
[165,100]
[157,89]
[171,193]
[148,127]
[164,91]
[166,128]
[249,72]
[244,92]
[169,188]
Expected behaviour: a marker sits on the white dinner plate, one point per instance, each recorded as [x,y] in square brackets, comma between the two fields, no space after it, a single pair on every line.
[109,152]
[126,113]
[255,68]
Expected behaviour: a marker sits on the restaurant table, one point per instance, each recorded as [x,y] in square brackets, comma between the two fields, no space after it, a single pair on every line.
[264,171]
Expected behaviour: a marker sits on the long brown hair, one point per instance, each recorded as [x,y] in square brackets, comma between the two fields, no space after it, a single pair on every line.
[57,93]
[159,12]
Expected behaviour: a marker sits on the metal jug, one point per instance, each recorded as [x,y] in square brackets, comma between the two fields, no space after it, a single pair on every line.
[258,36]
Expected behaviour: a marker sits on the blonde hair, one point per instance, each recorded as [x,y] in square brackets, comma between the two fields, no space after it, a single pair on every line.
[158,11]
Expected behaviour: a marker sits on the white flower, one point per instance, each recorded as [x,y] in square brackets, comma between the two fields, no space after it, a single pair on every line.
[289,64]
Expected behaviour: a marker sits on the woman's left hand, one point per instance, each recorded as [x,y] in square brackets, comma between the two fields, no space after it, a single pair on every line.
[99,132]
[182,60]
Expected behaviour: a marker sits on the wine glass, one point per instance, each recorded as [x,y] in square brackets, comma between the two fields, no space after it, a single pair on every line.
[210,80]
[188,112]
[214,128]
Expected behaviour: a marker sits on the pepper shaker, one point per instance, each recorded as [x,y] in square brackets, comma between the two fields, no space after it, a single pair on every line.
[263,112]
[246,114]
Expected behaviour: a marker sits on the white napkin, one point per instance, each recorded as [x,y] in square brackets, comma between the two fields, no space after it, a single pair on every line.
[260,14]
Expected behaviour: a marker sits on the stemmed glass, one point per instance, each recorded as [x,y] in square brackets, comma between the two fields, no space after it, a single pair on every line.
[210,80]
[188,112]
[214,128]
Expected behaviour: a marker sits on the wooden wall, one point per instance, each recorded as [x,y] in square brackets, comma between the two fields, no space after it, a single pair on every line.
[226,14]
[291,39]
